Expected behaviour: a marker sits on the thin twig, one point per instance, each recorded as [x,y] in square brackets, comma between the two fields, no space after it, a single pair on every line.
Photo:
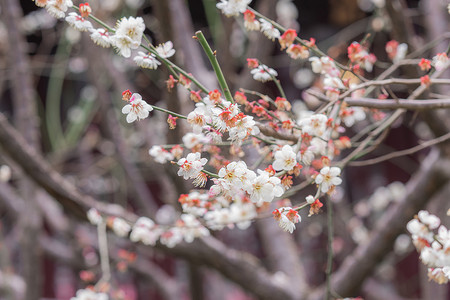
[401,152]
[103,251]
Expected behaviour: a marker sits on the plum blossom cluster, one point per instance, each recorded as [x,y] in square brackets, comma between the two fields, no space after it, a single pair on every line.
[237,192]
[216,116]
[125,37]
[287,218]
[219,212]
[434,248]
[137,108]
[186,228]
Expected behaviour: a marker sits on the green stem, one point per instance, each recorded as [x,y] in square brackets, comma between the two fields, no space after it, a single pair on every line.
[54,92]
[168,112]
[210,174]
[277,82]
[212,58]
[330,248]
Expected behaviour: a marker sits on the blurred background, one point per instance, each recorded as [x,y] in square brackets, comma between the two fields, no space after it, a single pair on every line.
[63,94]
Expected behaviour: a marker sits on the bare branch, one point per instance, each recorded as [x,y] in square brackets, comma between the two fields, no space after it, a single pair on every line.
[432,177]
[421,104]
[400,153]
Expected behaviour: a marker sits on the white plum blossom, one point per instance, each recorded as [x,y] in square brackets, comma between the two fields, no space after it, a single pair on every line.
[428,219]
[333,82]
[165,50]
[78,22]
[441,61]
[58,8]
[120,227]
[147,61]
[269,30]
[306,156]
[191,140]
[160,155]
[218,219]
[328,178]
[128,35]
[263,73]
[191,166]
[137,109]
[402,49]
[419,230]
[252,24]
[324,65]
[86,294]
[94,216]
[195,203]
[171,237]
[265,188]
[242,213]
[315,125]
[285,159]
[197,119]
[243,128]
[351,115]
[310,199]
[239,214]
[287,218]
[438,275]
[145,231]
[101,37]
[320,147]
[124,44]
[131,27]
[191,228]
[5,173]
[236,175]
[233,7]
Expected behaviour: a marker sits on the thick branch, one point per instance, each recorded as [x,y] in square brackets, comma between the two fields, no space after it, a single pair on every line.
[240,267]
[143,198]
[268,131]
[432,176]
[34,166]
[282,259]
[399,103]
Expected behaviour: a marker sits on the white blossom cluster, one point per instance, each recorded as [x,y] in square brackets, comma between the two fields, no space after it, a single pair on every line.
[434,248]
[146,231]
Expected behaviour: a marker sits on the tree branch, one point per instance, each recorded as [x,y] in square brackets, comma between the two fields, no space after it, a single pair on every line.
[399,103]
[432,176]
[242,268]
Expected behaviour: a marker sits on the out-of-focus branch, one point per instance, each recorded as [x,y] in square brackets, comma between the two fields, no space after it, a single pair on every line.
[183,30]
[143,197]
[400,153]
[421,104]
[65,254]
[430,178]
[378,291]
[35,166]
[390,81]
[268,131]
[27,123]
[402,27]
[283,259]
[242,268]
